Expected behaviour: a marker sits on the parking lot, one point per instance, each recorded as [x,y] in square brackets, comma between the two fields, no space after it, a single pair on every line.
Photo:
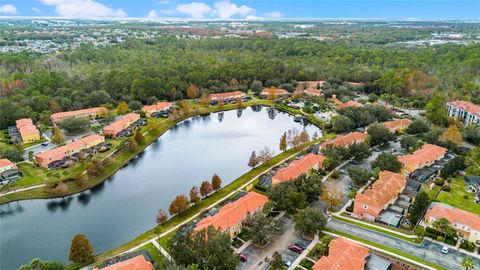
[257,255]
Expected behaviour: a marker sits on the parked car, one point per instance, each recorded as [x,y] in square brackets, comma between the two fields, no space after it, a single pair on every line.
[243,257]
[45,144]
[286,262]
[444,250]
[300,244]
[296,249]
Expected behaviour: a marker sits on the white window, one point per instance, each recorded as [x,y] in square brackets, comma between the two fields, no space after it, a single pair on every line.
[365,206]
[463,227]
[432,219]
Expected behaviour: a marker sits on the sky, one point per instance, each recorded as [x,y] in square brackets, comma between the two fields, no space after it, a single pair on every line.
[244,9]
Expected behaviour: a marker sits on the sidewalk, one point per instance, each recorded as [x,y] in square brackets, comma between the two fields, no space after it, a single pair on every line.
[21,189]
[304,253]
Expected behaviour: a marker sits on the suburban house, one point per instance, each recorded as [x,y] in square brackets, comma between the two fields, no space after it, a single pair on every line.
[277,92]
[116,127]
[8,171]
[230,218]
[399,125]
[157,108]
[27,130]
[383,192]
[339,104]
[136,263]
[227,95]
[464,222]
[345,140]
[91,113]
[43,159]
[311,88]
[467,111]
[424,156]
[343,254]
[298,167]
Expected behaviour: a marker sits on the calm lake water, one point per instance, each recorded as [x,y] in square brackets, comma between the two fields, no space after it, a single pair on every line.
[125,205]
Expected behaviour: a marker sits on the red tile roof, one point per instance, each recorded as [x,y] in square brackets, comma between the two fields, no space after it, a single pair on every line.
[64,115]
[466,106]
[136,263]
[277,91]
[343,254]
[345,140]
[399,123]
[297,167]
[5,162]
[234,212]
[454,215]
[427,154]
[223,96]
[26,127]
[351,103]
[70,146]
[122,123]
[159,106]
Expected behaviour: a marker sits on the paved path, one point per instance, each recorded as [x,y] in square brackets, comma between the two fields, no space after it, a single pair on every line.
[21,189]
[325,178]
[428,250]
[162,250]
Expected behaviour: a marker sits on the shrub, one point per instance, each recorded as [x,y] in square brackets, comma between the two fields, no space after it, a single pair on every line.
[440,238]
[306,263]
[261,188]
[439,182]
[469,246]
[446,188]
[465,196]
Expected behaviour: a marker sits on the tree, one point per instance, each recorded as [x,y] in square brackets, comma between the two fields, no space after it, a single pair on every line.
[216,182]
[37,264]
[254,160]
[341,124]
[283,142]
[194,195]
[471,133]
[468,263]
[304,137]
[387,162]
[135,105]
[256,87]
[293,137]
[310,185]
[161,217]
[410,143]
[261,228]
[276,262]
[359,174]
[81,251]
[332,195]
[418,126]
[265,155]
[179,205]
[452,134]
[122,108]
[153,125]
[57,136]
[379,134]
[359,151]
[297,200]
[310,221]
[139,138]
[436,110]
[419,232]
[278,194]
[420,205]
[75,124]
[210,248]
[452,167]
[192,91]
[205,188]
[444,226]
[205,99]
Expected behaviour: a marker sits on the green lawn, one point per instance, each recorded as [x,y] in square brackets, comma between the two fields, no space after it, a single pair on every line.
[155,253]
[394,251]
[455,197]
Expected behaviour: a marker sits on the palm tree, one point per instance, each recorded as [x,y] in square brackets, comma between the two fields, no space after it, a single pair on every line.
[468,263]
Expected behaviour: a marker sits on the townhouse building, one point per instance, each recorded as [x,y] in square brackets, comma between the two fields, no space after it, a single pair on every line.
[343,254]
[27,130]
[157,108]
[468,112]
[397,126]
[227,95]
[425,156]
[297,167]
[116,127]
[90,113]
[345,140]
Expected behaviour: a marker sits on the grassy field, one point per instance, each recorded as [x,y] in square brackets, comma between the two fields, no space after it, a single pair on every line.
[459,197]
[155,253]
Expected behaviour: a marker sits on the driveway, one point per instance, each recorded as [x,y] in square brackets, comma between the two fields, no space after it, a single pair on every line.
[256,256]
[428,250]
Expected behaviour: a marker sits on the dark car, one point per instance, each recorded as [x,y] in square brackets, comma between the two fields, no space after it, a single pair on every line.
[45,144]
[300,244]
[243,257]
[296,249]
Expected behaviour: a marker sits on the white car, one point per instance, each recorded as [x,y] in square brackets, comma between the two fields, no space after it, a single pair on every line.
[444,250]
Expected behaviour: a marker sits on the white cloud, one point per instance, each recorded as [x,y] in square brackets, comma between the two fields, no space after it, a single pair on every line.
[274,14]
[226,10]
[36,10]
[165,2]
[8,9]
[83,9]
[152,14]
[196,10]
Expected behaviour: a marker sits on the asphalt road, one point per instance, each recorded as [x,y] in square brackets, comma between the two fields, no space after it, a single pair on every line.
[430,251]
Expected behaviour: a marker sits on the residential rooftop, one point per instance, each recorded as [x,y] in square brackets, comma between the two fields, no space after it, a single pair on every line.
[297,167]
[345,140]
[454,215]
[466,106]
[343,254]
[424,156]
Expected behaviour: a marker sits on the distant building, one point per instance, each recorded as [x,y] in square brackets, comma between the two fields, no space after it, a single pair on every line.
[312,88]
[399,125]
[345,140]
[343,254]
[116,127]
[467,111]
[425,156]
[27,130]
[231,217]
[340,105]
[156,108]
[227,95]
[43,159]
[91,113]
[298,167]
[276,92]
[8,171]
[464,222]
[136,263]
[370,203]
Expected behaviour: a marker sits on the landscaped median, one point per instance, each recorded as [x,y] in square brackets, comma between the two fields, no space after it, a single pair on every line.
[399,255]
[204,204]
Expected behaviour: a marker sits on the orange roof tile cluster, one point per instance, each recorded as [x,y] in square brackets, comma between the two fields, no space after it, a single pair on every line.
[313,92]
[427,154]
[297,167]
[454,215]
[5,162]
[226,95]
[159,106]
[64,115]
[345,140]
[404,122]
[234,212]
[123,123]
[136,263]
[343,254]
[26,127]
[466,106]
[384,190]
[350,103]
[277,91]
[70,147]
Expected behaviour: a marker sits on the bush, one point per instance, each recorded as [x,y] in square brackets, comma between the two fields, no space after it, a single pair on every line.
[469,246]
[440,238]
[306,263]
[261,188]
[465,196]
[440,182]
[446,188]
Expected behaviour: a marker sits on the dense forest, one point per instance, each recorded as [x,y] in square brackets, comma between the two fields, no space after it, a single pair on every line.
[150,70]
